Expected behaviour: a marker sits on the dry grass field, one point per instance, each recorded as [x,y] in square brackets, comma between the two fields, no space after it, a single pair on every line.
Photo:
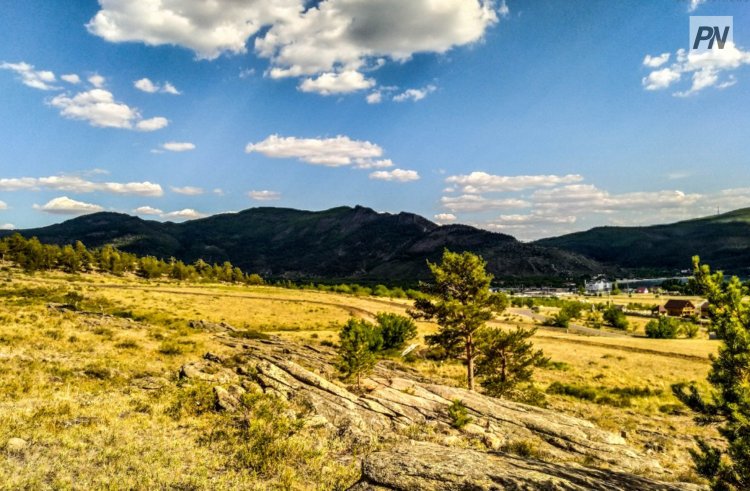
[96,398]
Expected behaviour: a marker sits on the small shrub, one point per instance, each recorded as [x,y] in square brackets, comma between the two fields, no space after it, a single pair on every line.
[98,372]
[249,334]
[458,414]
[170,348]
[128,344]
[396,330]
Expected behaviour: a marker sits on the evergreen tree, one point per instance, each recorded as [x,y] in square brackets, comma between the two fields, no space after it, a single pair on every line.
[358,341]
[728,406]
[507,359]
[461,304]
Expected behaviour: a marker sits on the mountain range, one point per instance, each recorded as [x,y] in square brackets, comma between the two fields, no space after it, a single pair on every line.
[360,244]
[344,243]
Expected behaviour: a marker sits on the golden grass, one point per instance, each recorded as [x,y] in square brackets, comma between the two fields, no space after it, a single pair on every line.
[69,383]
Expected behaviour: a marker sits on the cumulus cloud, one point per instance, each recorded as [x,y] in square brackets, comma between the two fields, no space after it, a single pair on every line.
[7,226]
[481,182]
[76,184]
[332,83]
[147,210]
[146,85]
[66,206]
[374,97]
[184,214]
[71,78]
[445,217]
[710,68]
[187,190]
[36,79]
[3,205]
[99,108]
[398,175]
[414,95]
[178,146]
[476,203]
[152,124]
[656,61]
[589,198]
[264,195]
[331,152]
[329,43]
[523,221]
[97,81]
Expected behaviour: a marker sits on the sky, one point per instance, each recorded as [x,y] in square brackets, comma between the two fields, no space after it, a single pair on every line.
[531,118]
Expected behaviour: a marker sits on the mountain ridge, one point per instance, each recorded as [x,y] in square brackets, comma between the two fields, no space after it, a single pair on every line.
[351,243]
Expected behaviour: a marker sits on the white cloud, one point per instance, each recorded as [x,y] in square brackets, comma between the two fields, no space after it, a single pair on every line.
[706,69]
[480,182]
[3,205]
[97,81]
[76,184]
[374,97]
[71,78]
[656,61]
[152,124]
[264,195]
[7,226]
[589,198]
[414,95]
[168,88]
[185,214]
[37,79]
[399,175]
[146,85]
[147,210]
[99,108]
[178,146]
[519,221]
[694,5]
[331,152]
[332,83]
[187,190]
[373,164]
[476,203]
[66,206]
[445,217]
[329,43]
[218,191]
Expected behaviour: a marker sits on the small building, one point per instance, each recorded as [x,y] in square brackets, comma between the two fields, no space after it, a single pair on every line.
[658,311]
[600,285]
[680,308]
[641,289]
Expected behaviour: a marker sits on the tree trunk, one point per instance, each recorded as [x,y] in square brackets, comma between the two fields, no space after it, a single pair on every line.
[470,363]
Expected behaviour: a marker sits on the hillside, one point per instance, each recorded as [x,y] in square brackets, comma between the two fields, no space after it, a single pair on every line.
[723,241]
[340,243]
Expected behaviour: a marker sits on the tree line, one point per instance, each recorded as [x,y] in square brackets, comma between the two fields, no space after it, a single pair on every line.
[32,255]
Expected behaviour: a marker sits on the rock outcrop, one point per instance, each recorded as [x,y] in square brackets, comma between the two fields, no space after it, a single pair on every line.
[407,414]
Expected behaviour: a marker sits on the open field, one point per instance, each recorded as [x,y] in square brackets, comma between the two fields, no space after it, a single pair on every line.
[95,394]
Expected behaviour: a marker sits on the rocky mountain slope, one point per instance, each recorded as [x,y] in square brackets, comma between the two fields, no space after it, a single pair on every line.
[417,448]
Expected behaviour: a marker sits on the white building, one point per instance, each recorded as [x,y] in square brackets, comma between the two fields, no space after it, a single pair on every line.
[599,285]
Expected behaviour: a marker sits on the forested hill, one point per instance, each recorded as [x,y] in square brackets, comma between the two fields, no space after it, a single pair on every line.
[341,243]
[723,241]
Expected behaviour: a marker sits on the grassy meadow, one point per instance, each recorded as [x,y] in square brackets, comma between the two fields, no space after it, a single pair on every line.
[94,393]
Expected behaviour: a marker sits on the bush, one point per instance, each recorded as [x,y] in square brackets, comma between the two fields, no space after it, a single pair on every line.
[458,414]
[615,318]
[395,330]
[663,328]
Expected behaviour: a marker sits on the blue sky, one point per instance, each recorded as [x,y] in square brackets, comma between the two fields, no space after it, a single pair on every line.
[529,118]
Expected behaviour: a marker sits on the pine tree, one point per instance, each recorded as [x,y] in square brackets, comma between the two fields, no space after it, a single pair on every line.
[728,406]
[358,341]
[462,303]
[507,359]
